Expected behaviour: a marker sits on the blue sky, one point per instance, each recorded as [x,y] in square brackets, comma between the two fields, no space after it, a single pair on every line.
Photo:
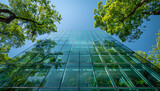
[78,15]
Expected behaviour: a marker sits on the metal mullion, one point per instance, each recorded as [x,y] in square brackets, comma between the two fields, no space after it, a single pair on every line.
[64,72]
[108,52]
[54,34]
[50,68]
[122,44]
[107,70]
[122,71]
[31,65]
[19,69]
[27,62]
[30,74]
[44,79]
[93,65]
[116,40]
[18,72]
[79,64]
[142,77]
[151,72]
[121,56]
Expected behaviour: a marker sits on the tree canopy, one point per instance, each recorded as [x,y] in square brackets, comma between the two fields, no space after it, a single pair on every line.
[154,55]
[125,17]
[24,20]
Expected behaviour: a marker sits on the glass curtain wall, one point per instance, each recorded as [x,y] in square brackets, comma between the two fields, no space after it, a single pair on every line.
[79,61]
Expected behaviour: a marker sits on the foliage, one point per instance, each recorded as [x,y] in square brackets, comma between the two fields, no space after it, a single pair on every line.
[124,17]
[154,55]
[24,20]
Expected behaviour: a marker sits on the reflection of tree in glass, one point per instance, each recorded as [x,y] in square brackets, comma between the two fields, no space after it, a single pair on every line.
[139,82]
[91,82]
[103,82]
[30,68]
[109,43]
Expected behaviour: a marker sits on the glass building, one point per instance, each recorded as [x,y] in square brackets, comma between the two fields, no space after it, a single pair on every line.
[79,61]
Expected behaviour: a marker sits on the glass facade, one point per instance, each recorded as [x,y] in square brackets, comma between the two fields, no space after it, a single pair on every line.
[79,61]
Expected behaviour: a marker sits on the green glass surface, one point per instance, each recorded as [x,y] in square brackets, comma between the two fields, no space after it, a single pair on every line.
[88,89]
[96,59]
[78,61]
[119,79]
[118,59]
[150,77]
[93,50]
[147,89]
[53,78]
[101,76]
[68,89]
[108,89]
[73,59]
[128,59]
[108,59]
[84,50]
[48,89]
[86,76]
[85,59]
[71,77]
[133,76]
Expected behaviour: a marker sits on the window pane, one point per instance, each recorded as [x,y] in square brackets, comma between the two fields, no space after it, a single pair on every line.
[133,76]
[118,77]
[101,76]
[108,59]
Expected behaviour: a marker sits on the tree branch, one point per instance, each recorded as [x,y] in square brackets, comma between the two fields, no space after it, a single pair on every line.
[13,16]
[28,20]
[8,19]
[133,11]
[152,12]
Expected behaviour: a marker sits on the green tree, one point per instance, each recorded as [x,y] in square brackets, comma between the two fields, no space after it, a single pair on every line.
[124,17]
[24,20]
[154,55]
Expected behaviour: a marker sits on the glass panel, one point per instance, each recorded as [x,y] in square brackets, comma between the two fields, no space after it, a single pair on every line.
[133,76]
[85,59]
[74,59]
[117,76]
[89,89]
[127,89]
[96,59]
[75,42]
[65,49]
[101,76]
[118,59]
[68,89]
[97,43]
[147,89]
[74,50]
[53,78]
[83,43]
[71,76]
[86,76]
[108,59]
[18,89]
[128,58]
[37,76]
[28,76]
[108,89]
[46,89]
[93,50]
[84,50]
[147,75]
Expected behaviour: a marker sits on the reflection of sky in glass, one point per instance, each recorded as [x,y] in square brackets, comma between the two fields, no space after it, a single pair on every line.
[99,63]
